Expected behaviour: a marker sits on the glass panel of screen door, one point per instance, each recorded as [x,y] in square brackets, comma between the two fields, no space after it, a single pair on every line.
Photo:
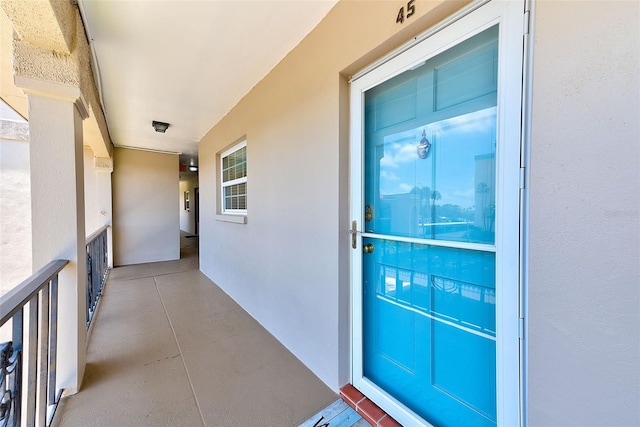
[429,333]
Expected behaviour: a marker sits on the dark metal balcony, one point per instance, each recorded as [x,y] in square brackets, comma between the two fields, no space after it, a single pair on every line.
[32,351]
[97,268]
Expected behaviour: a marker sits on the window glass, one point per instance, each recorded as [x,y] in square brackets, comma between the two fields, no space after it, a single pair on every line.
[233,164]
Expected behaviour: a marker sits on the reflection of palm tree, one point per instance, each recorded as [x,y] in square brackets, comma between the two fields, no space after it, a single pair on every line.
[423,193]
[487,212]
[490,215]
[435,195]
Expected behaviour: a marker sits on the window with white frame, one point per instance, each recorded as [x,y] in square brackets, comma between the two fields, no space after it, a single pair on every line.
[233,182]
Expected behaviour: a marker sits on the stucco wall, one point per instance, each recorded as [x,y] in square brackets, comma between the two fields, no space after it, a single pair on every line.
[188,218]
[15,214]
[288,266]
[145,216]
[584,301]
[51,46]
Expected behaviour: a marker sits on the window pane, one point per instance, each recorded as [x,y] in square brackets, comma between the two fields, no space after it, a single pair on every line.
[235,196]
[431,139]
[234,168]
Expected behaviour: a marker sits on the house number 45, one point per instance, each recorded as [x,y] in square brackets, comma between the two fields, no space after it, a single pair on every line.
[411,9]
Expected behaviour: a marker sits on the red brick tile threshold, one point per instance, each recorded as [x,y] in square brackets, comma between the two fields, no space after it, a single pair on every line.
[369,410]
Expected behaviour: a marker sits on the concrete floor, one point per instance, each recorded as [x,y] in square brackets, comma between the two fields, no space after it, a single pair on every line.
[167,347]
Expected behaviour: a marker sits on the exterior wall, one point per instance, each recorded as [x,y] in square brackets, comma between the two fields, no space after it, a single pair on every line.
[288,266]
[145,216]
[583,296]
[15,214]
[188,218]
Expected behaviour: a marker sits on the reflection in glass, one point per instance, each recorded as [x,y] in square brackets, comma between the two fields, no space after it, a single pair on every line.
[449,195]
[430,146]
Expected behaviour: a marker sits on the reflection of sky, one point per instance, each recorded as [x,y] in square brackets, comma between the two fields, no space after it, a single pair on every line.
[455,143]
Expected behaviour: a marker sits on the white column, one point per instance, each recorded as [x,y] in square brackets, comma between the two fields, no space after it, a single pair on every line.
[104,168]
[57,207]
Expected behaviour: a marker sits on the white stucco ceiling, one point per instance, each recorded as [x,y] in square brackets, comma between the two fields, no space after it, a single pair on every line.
[187,62]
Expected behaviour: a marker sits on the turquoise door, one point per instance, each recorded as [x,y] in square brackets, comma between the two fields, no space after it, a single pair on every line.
[429,261]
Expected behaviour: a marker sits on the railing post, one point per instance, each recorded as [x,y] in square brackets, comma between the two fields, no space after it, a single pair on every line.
[53,343]
[32,361]
[43,359]
[17,337]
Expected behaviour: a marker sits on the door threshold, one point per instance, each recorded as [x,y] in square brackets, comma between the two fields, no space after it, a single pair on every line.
[371,412]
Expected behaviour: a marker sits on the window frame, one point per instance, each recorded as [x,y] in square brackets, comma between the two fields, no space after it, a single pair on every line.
[223,211]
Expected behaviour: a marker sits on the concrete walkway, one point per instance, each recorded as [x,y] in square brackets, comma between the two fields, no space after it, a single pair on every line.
[170,348]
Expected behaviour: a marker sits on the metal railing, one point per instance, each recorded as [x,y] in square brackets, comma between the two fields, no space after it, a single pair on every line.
[40,293]
[97,268]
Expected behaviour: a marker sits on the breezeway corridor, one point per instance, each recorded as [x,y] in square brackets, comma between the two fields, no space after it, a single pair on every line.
[170,348]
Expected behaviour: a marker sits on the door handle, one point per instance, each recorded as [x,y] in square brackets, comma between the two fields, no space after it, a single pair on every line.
[354,234]
[368,248]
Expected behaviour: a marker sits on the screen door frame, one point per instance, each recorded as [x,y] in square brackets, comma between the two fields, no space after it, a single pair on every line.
[510,16]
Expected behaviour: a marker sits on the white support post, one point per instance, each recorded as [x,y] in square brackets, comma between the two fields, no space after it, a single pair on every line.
[104,169]
[58,221]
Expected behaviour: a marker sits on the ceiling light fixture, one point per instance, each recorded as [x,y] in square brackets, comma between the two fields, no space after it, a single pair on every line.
[160,126]
[193,168]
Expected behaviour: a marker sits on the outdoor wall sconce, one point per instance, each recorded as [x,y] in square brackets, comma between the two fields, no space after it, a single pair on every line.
[160,126]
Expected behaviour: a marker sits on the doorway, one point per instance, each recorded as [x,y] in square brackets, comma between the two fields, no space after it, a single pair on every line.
[196,205]
[435,202]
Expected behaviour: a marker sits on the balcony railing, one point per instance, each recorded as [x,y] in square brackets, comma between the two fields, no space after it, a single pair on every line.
[97,268]
[38,357]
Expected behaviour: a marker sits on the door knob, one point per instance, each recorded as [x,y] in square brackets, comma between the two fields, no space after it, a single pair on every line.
[368,248]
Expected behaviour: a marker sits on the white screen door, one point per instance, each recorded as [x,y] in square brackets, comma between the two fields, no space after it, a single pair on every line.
[435,196]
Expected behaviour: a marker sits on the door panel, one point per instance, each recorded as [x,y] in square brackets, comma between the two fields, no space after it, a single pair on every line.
[429,311]
[429,329]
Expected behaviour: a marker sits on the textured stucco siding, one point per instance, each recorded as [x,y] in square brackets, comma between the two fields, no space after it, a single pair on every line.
[584,253]
[49,45]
